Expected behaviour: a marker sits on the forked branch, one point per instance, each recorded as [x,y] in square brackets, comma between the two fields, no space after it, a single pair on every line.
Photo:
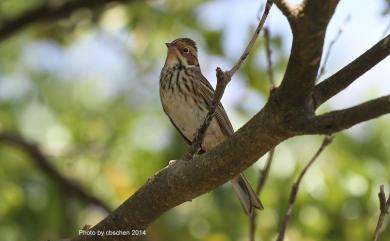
[308,31]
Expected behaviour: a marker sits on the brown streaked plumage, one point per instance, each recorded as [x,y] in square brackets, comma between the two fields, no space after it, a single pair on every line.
[186,96]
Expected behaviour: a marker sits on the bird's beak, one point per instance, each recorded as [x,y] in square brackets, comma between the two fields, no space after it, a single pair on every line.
[169,45]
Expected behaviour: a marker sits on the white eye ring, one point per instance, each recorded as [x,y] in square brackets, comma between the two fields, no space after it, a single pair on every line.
[186,50]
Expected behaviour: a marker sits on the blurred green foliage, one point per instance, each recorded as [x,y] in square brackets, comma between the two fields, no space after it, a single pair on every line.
[86,90]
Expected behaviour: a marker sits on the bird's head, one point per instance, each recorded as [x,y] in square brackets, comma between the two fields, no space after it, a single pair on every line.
[182,52]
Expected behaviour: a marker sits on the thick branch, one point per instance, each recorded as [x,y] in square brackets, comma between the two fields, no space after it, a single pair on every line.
[186,180]
[308,39]
[344,77]
[40,160]
[318,11]
[343,119]
[47,12]
[189,179]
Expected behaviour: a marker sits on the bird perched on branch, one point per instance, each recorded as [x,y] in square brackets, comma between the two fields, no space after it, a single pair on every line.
[186,96]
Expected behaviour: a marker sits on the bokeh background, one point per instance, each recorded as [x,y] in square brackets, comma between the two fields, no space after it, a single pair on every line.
[85,89]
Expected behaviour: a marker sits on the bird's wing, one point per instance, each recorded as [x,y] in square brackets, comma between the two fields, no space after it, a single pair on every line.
[208,93]
[185,138]
[189,142]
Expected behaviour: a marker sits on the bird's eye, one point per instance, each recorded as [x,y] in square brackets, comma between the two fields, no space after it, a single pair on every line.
[186,50]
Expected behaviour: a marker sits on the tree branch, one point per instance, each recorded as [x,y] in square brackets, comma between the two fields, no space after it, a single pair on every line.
[384,208]
[344,77]
[40,160]
[248,48]
[263,176]
[268,54]
[47,12]
[295,188]
[308,39]
[343,119]
[318,10]
[331,44]
[186,180]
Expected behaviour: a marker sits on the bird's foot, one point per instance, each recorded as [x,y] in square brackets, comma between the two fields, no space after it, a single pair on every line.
[171,162]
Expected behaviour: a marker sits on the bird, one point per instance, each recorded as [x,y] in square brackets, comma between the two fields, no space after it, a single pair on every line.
[186,96]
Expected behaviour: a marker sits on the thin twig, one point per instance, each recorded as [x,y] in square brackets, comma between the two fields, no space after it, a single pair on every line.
[41,161]
[223,78]
[248,48]
[384,208]
[268,52]
[263,174]
[263,177]
[331,44]
[295,188]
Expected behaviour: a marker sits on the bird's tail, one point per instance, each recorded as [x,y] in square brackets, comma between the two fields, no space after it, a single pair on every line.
[245,193]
